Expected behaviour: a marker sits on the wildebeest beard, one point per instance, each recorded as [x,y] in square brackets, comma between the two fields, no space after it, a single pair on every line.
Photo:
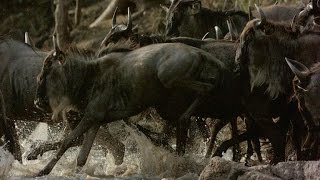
[262,56]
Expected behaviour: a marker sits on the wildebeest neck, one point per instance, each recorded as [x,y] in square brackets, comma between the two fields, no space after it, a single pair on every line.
[263,55]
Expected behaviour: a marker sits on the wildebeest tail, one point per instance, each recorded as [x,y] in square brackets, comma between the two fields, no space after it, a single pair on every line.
[7,128]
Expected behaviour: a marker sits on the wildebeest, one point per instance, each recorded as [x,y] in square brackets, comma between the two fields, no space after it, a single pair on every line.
[20,65]
[120,85]
[263,47]
[184,15]
[306,92]
[122,38]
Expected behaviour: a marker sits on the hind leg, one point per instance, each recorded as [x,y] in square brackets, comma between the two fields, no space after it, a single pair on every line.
[216,128]
[113,145]
[183,125]
[86,145]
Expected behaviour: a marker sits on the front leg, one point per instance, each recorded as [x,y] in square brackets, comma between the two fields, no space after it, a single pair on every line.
[82,127]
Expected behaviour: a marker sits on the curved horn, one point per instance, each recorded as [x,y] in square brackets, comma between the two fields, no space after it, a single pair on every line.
[302,75]
[204,37]
[114,18]
[129,25]
[230,29]
[263,17]
[293,23]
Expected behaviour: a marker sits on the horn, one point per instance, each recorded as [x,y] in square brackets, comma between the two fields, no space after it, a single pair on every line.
[27,38]
[129,25]
[293,23]
[218,32]
[230,29]
[55,43]
[263,17]
[114,18]
[204,37]
[302,75]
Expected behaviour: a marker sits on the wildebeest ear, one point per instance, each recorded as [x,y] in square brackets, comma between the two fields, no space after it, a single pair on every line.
[195,7]
[300,70]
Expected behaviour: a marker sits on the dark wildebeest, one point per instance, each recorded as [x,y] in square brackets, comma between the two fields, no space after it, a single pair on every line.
[122,38]
[184,15]
[188,18]
[263,47]
[20,65]
[120,85]
[306,92]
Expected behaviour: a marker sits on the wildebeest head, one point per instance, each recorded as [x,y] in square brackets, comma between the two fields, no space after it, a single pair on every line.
[51,70]
[309,18]
[119,34]
[178,11]
[261,53]
[306,85]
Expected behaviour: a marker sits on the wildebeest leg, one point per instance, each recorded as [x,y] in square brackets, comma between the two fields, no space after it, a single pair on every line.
[82,127]
[48,147]
[54,146]
[86,145]
[257,147]
[250,126]
[183,125]
[157,139]
[8,129]
[227,144]
[116,147]
[234,133]
[216,128]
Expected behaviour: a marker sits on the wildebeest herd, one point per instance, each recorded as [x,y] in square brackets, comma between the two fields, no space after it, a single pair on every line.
[269,76]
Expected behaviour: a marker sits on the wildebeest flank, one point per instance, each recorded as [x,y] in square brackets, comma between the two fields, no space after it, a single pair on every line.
[120,85]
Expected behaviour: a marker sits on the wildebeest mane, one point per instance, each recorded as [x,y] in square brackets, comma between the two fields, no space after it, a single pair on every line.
[273,71]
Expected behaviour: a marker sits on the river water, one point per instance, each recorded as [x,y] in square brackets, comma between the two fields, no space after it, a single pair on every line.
[142,160]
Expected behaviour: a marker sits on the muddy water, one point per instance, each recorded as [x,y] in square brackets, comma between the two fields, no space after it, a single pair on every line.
[142,159]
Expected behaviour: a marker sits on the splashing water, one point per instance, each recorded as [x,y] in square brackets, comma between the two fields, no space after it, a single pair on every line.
[142,159]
